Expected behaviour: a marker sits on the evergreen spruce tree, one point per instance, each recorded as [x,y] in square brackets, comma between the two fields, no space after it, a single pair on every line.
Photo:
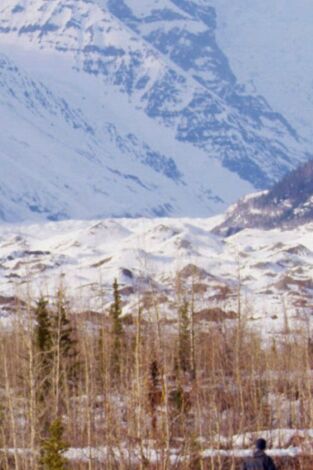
[184,343]
[65,354]
[43,347]
[43,340]
[64,341]
[154,391]
[117,332]
[53,448]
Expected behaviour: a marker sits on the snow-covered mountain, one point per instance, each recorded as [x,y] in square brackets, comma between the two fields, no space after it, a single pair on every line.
[269,46]
[288,204]
[159,262]
[127,108]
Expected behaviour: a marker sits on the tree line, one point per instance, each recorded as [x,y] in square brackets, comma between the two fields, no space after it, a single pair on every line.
[143,390]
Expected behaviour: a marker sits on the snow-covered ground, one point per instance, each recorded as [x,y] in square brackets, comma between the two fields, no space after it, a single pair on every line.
[100,454]
[274,269]
[282,442]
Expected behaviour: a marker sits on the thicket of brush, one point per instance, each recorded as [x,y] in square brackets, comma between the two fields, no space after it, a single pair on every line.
[147,394]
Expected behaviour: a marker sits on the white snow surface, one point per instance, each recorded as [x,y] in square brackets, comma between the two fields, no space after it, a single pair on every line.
[274,268]
[281,442]
[269,45]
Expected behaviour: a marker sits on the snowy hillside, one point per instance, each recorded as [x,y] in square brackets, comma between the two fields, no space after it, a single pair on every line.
[152,257]
[127,108]
[60,161]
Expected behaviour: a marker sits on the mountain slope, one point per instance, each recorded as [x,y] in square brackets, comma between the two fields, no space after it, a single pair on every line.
[155,123]
[65,163]
[277,60]
[243,130]
[288,204]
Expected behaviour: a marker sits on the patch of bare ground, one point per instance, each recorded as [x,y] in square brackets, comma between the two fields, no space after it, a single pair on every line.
[288,282]
[215,315]
[193,271]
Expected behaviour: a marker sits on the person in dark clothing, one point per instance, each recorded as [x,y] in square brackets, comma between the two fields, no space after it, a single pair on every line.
[259,461]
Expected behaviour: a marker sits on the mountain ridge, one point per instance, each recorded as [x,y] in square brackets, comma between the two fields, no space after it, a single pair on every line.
[288,204]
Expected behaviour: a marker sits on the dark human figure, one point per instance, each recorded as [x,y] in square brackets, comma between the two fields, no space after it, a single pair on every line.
[259,461]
